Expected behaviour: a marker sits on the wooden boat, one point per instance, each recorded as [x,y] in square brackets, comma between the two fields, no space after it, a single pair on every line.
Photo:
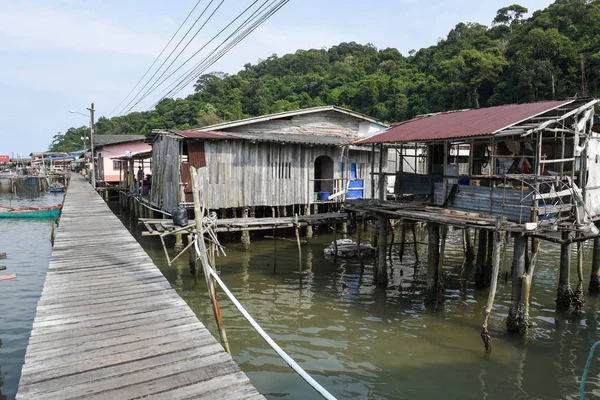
[6,277]
[30,212]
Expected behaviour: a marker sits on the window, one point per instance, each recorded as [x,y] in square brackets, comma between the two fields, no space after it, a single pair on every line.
[116,165]
[281,170]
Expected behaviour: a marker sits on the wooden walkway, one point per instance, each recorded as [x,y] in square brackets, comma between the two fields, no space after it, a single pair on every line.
[109,325]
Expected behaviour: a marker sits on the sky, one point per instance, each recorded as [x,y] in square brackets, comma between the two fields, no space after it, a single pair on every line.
[65,54]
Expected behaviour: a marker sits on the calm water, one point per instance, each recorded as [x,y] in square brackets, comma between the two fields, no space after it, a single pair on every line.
[357,340]
[363,342]
[27,245]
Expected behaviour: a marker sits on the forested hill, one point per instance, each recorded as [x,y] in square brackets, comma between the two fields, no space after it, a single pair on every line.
[514,60]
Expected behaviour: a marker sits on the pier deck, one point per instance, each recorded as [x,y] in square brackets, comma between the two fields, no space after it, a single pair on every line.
[109,325]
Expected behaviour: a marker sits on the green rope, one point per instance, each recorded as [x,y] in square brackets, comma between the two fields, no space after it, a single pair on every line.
[586,370]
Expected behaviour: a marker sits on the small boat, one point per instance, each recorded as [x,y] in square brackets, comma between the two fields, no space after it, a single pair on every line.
[57,188]
[30,212]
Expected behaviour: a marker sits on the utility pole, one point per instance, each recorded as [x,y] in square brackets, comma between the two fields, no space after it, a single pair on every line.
[93,169]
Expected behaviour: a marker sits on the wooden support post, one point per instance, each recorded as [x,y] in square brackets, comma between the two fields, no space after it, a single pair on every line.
[594,287]
[193,260]
[178,243]
[335,246]
[245,233]
[433,291]
[468,246]
[485,336]
[577,299]
[358,233]
[391,228]
[381,274]
[274,249]
[345,229]
[402,239]
[297,229]
[309,228]
[415,232]
[381,179]
[564,293]
[373,171]
[482,273]
[516,313]
[527,280]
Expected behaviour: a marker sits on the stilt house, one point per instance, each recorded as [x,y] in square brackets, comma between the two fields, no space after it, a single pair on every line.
[534,165]
[284,160]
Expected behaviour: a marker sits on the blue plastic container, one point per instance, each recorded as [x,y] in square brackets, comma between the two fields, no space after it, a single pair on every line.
[324,195]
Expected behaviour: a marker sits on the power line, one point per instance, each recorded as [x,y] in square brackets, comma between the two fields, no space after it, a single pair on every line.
[209,60]
[178,55]
[169,91]
[169,56]
[157,58]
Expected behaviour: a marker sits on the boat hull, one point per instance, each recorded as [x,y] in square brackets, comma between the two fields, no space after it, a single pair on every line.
[50,212]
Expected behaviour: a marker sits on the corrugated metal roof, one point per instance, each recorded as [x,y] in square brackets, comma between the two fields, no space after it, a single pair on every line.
[464,123]
[287,114]
[326,140]
[189,134]
[104,140]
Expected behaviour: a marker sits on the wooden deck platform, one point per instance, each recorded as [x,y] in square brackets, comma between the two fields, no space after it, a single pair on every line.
[109,325]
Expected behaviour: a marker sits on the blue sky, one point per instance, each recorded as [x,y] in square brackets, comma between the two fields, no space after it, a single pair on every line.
[65,54]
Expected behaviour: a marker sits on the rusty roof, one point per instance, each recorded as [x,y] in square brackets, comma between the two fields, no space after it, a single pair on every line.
[464,123]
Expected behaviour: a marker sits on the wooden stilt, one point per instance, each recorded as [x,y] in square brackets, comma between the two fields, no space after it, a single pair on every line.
[297,229]
[516,321]
[335,246]
[381,275]
[402,239]
[432,294]
[482,273]
[485,335]
[309,228]
[391,246]
[564,293]
[178,242]
[416,242]
[577,299]
[468,246]
[594,287]
[274,249]
[528,278]
[245,234]
[358,241]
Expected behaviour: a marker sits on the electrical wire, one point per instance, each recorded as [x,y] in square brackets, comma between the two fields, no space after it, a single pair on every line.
[157,58]
[208,61]
[178,55]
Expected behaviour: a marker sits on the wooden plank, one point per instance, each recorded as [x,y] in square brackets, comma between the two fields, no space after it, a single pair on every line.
[109,325]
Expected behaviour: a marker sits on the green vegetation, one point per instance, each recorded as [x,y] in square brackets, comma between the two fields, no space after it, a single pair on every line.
[516,60]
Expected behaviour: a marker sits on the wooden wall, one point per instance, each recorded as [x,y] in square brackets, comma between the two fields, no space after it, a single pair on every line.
[241,173]
[165,172]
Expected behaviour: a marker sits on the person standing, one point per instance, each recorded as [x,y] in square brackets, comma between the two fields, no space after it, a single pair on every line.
[140,178]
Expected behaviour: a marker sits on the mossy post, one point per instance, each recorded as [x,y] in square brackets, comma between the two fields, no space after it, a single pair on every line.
[594,287]
[245,233]
[564,293]
[434,289]
[482,270]
[309,229]
[516,313]
[381,275]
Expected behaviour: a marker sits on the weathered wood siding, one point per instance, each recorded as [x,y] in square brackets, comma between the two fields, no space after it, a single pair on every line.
[491,201]
[241,173]
[592,190]
[323,123]
[165,172]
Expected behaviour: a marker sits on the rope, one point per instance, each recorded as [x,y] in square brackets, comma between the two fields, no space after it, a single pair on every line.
[586,370]
[303,374]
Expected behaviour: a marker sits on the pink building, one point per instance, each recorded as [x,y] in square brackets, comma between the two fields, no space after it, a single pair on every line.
[110,147]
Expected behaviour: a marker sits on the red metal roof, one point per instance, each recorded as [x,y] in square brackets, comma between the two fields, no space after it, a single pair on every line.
[202,135]
[459,124]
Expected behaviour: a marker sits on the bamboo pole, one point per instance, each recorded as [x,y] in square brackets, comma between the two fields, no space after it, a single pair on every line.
[199,215]
[578,300]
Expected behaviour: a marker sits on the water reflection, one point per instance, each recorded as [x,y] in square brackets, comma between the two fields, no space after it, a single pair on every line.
[361,341]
